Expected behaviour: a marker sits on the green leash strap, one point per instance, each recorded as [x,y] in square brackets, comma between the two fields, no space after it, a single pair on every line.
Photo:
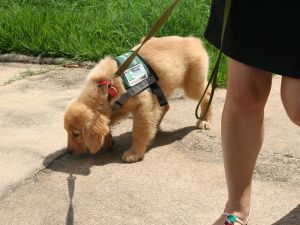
[153,30]
[214,74]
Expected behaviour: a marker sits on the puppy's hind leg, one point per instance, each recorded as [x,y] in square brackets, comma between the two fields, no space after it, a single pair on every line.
[205,121]
[162,115]
[194,85]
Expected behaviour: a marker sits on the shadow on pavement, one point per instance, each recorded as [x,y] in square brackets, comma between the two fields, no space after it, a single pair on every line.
[81,164]
[71,188]
[293,218]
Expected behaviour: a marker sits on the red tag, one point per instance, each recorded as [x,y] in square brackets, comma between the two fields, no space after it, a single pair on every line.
[101,83]
[112,91]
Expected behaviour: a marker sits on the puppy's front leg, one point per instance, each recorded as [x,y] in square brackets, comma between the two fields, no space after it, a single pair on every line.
[144,123]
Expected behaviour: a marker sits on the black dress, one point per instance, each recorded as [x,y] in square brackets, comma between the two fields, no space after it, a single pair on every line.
[260,33]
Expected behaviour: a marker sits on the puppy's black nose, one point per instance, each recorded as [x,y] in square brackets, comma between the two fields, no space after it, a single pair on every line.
[69,151]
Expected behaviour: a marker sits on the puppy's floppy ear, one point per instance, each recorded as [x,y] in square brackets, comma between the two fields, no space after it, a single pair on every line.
[94,132]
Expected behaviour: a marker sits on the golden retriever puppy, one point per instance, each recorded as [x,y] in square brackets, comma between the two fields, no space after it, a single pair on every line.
[177,61]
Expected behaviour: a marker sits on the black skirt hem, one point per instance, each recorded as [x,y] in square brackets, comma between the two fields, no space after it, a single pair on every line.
[248,62]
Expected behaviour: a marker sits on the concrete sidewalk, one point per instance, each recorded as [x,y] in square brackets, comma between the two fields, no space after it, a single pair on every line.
[31,123]
[180,181]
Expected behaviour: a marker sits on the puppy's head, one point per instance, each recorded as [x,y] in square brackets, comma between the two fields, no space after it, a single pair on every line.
[86,128]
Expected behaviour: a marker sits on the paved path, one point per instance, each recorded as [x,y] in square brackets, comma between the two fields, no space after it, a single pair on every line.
[180,181]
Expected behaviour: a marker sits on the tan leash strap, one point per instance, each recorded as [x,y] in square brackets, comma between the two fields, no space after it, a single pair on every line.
[153,30]
[214,74]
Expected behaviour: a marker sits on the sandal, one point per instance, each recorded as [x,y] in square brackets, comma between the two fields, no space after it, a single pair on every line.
[231,219]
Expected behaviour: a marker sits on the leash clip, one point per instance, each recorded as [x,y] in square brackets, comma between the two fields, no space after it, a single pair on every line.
[112,91]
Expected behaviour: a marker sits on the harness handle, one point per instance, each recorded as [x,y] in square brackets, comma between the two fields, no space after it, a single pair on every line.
[214,73]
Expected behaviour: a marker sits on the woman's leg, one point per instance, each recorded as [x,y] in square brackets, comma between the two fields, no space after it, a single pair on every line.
[290,95]
[242,132]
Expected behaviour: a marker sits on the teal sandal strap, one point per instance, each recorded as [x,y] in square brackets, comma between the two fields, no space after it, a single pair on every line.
[231,219]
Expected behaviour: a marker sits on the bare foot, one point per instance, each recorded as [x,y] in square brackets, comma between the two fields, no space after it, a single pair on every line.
[222,219]
[242,215]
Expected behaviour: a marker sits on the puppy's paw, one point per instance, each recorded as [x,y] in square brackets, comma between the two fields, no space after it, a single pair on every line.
[203,125]
[131,156]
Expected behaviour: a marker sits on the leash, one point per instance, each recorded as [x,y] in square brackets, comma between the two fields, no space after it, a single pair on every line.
[160,22]
[214,73]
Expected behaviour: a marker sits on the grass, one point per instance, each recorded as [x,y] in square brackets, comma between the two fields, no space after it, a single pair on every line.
[90,29]
[27,73]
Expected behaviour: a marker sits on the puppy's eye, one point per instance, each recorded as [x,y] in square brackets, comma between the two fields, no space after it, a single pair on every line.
[76,135]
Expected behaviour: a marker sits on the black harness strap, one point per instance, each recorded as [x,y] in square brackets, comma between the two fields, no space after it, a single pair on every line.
[121,101]
[143,85]
[156,90]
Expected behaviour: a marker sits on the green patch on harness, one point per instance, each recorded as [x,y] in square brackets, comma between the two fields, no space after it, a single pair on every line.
[136,72]
[137,78]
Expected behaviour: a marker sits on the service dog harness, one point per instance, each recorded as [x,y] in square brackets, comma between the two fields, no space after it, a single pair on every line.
[138,77]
